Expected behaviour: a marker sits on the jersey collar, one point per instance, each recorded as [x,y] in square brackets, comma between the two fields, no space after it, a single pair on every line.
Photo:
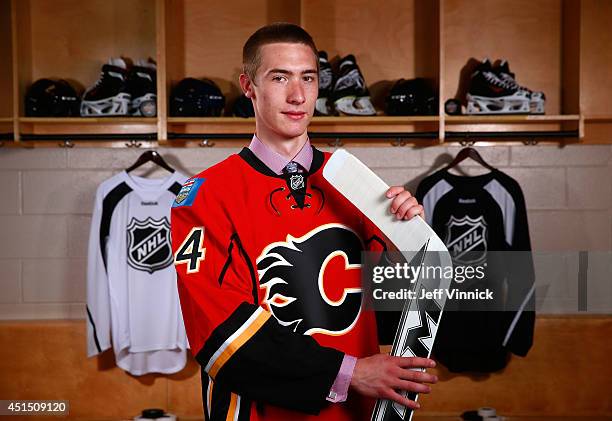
[275,161]
[257,164]
[151,188]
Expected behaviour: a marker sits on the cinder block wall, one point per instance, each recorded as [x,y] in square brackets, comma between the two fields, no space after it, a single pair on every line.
[47,196]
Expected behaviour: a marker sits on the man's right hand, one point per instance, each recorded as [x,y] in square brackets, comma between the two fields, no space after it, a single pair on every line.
[381,375]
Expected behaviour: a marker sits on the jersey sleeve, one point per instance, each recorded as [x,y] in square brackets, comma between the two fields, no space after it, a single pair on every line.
[419,195]
[239,344]
[521,281]
[98,296]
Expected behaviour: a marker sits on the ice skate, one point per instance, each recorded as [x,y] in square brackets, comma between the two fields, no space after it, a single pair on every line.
[488,94]
[536,99]
[109,96]
[350,92]
[142,85]
[326,77]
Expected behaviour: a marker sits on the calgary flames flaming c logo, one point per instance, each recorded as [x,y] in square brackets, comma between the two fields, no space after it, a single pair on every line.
[306,283]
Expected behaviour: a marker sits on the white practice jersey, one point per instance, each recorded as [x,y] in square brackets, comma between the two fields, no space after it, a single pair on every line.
[132,297]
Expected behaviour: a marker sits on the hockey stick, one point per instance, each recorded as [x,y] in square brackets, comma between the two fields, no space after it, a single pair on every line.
[418,243]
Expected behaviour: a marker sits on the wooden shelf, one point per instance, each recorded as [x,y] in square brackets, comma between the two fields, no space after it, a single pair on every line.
[86,125]
[6,126]
[6,61]
[72,39]
[407,39]
[212,120]
[598,129]
[506,30]
[595,55]
[514,123]
[604,118]
[371,124]
[375,124]
[402,38]
[89,120]
[210,125]
[509,119]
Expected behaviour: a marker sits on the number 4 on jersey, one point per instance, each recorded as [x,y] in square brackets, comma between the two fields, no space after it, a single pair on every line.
[191,251]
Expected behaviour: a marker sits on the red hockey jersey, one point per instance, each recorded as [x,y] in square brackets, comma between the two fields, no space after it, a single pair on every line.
[269,283]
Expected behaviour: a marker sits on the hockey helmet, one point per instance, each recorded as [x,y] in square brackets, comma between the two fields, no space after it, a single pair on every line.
[51,98]
[411,97]
[243,107]
[196,98]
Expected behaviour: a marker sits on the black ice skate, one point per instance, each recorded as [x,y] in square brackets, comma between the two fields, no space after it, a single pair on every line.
[325,85]
[536,99]
[109,96]
[488,94]
[350,92]
[142,86]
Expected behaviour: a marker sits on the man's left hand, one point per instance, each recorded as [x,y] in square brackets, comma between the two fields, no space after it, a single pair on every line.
[404,205]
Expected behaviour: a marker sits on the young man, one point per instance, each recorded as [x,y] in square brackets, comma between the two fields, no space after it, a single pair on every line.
[268,261]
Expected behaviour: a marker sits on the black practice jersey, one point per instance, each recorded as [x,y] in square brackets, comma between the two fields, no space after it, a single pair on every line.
[477,217]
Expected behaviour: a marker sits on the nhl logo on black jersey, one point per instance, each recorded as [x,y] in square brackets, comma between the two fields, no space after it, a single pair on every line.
[466,240]
[296,181]
[148,244]
[298,278]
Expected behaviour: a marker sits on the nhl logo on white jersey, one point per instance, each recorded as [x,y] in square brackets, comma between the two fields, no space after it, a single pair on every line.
[466,240]
[148,244]
[296,182]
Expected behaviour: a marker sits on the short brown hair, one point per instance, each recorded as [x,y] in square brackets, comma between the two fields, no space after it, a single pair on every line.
[270,34]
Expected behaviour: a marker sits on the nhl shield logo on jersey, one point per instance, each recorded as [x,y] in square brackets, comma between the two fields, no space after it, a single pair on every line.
[296,181]
[148,244]
[466,239]
[300,279]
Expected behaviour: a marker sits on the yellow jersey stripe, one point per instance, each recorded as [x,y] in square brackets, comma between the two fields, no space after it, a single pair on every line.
[234,342]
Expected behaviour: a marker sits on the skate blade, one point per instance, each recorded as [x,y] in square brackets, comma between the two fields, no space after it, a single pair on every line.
[355,106]
[109,107]
[493,106]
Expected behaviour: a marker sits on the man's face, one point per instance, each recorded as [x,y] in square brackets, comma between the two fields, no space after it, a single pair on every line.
[286,90]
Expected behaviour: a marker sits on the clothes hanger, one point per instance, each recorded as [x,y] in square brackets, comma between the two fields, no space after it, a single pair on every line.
[469,152]
[150,156]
